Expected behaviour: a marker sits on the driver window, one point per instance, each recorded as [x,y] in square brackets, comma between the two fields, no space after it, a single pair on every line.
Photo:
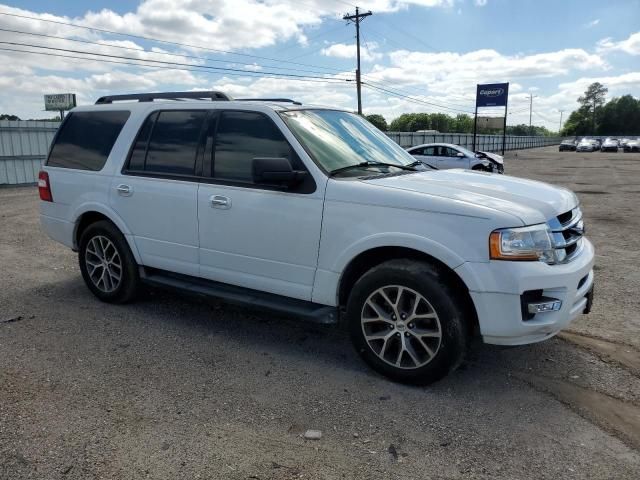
[451,152]
[431,151]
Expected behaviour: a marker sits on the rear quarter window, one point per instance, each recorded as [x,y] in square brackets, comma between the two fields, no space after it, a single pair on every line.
[85,139]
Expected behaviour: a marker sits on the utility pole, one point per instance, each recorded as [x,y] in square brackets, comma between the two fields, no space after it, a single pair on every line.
[531,97]
[560,126]
[357,18]
[593,127]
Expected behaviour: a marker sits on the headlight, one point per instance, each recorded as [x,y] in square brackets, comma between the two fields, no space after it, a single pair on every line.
[523,243]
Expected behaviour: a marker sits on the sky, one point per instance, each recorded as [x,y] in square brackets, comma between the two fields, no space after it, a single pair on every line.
[417,55]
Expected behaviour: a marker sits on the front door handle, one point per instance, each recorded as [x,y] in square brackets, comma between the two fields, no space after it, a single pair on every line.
[219,201]
[124,190]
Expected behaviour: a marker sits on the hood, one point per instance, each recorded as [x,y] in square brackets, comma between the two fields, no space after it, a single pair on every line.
[494,157]
[531,201]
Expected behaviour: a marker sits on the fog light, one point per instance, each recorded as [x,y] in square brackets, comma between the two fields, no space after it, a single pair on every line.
[552,305]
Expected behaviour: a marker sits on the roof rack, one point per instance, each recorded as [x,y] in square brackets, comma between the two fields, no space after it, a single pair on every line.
[150,97]
[283,100]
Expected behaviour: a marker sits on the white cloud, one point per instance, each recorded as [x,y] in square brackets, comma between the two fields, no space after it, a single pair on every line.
[630,45]
[592,23]
[441,78]
[454,73]
[341,50]
[480,3]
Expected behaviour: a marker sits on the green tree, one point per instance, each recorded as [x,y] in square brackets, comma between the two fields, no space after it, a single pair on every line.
[463,123]
[620,116]
[378,120]
[594,95]
[6,116]
[584,121]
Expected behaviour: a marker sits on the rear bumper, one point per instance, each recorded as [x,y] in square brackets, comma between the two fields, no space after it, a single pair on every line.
[59,230]
[496,289]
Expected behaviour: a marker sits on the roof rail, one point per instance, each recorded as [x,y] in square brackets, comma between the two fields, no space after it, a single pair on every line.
[150,97]
[284,100]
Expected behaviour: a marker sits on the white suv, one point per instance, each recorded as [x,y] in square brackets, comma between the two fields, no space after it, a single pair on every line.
[313,212]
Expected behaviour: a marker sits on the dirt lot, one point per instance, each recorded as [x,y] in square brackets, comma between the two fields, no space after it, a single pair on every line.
[175,388]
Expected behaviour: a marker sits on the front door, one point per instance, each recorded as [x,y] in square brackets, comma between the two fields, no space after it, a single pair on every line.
[449,158]
[253,235]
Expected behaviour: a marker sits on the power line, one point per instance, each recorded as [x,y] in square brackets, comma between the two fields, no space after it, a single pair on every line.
[415,100]
[163,62]
[194,68]
[316,50]
[314,37]
[180,55]
[166,42]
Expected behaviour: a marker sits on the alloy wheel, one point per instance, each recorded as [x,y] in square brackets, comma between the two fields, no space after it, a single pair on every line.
[103,263]
[401,327]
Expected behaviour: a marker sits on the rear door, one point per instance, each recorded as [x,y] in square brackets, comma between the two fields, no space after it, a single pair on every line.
[156,193]
[254,235]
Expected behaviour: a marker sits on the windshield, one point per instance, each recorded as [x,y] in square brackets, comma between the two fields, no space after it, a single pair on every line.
[337,139]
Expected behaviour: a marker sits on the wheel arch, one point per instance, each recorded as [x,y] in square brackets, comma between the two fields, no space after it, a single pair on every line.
[90,214]
[372,257]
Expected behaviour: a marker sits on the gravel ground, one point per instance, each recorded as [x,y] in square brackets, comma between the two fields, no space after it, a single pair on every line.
[175,388]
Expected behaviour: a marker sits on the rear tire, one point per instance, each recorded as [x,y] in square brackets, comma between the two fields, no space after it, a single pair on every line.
[407,323]
[107,264]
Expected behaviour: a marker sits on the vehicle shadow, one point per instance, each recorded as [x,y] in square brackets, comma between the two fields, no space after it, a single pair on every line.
[159,310]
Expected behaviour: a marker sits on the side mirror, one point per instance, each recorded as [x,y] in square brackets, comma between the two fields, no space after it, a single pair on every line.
[275,171]
[460,155]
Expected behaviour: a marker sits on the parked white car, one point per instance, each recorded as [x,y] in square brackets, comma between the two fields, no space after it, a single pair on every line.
[314,213]
[446,155]
[586,145]
[610,145]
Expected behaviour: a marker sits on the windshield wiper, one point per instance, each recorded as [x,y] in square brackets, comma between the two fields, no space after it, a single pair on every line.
[371,164]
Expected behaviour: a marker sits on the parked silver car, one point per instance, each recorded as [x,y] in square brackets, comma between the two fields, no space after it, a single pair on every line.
[447,155]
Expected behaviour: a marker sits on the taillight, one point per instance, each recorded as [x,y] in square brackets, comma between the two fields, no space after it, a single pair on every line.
[44,188]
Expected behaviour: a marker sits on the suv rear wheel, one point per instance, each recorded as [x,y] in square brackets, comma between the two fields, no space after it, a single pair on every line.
[406,322]
[107,264]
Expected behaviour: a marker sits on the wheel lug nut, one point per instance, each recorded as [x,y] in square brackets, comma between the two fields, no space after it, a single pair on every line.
[411,325]
[398,334]
[406,334]
[403,316]
[393,317]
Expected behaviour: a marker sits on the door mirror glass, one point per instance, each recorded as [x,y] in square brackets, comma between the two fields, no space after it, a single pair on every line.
[460,155]
[275,171]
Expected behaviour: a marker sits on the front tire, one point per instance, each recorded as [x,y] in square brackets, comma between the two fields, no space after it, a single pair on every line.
[406,322]
[107,264]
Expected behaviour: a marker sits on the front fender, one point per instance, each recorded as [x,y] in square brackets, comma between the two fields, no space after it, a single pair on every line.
[415,242]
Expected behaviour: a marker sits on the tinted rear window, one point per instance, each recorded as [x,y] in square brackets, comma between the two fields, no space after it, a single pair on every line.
[86,139]
[174,142]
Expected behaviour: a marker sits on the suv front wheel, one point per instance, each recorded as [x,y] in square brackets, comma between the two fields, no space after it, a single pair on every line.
[406,322]
[107,264]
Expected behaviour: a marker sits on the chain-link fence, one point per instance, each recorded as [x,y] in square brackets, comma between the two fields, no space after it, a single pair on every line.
[489,143]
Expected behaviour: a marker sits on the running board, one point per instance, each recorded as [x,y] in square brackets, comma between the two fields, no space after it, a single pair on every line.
[308,311]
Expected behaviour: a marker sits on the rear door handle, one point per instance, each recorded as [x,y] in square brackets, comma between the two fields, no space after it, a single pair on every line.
[219,201]
[124,190]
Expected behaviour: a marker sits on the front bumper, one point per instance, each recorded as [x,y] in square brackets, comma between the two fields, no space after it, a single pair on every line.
[496,288]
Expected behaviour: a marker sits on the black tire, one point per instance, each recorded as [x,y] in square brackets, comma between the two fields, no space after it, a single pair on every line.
[129,278]
[429,282]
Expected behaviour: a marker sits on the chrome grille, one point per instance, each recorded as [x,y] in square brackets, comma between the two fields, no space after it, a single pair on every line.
[567,232]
